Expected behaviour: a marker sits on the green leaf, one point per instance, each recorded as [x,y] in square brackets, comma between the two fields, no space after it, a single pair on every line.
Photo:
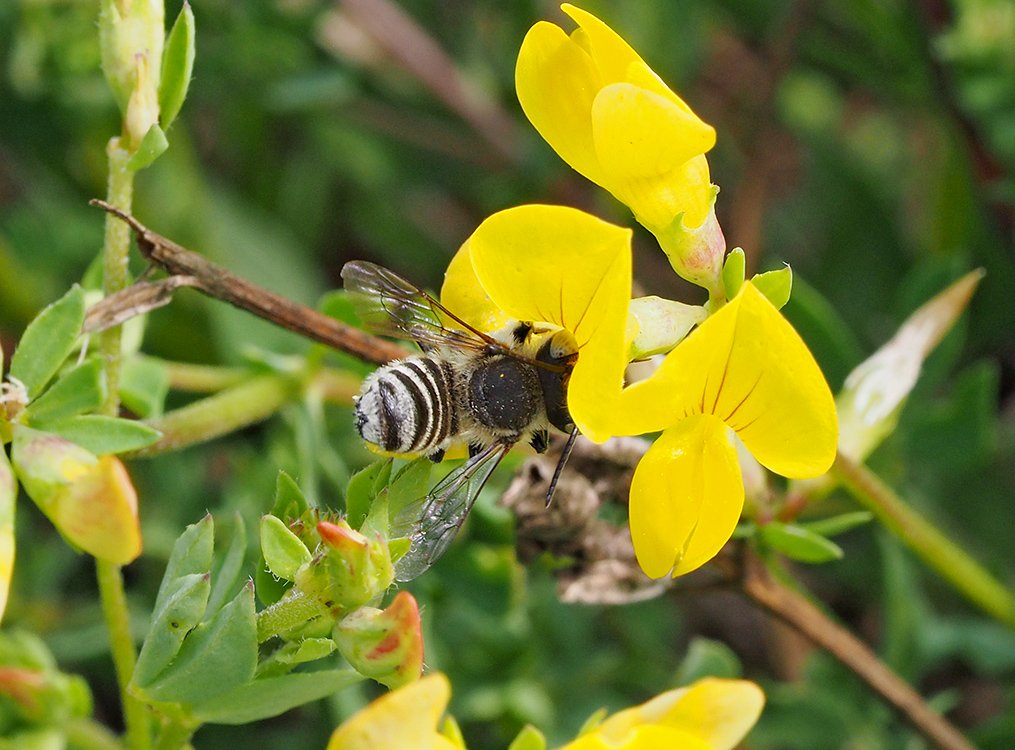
[798,543]
[152,146]
[733,272]
[79,390]
[192,553]
[262,699]
[48,340]
[707,658]
[177,66]
[181,600]
[217,656]
[289,499]
[283,552]
[179,613]
[228,574]
[529,738]
[410,484]
[144,384]
[838,524]
[363,488]
[101,434]
[776,285]
[337,304]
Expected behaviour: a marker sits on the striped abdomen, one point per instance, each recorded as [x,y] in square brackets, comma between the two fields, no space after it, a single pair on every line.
[407,406]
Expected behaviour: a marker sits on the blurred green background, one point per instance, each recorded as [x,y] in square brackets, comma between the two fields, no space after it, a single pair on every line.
[868,143]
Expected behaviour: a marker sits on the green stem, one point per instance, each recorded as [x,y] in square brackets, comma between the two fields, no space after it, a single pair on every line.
[115,253]
[294,609]
[184,376]
[933,547]
[114,610]
[120,193]
[87,734]
[175,735]
[227,411]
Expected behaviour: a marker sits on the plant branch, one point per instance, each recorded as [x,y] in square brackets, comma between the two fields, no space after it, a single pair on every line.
[217,282]
[115,254]
[806,618]
[227,411]
[935,549]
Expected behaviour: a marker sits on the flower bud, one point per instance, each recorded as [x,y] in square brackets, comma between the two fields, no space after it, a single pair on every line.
[143,104]
[874,393]
[385,645]
[349,569]
[89,499]
[129,29]
[44,696]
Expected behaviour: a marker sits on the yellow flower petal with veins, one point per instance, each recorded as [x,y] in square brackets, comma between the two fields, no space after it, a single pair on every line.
[558,265]
[404,718]
[748,367]
[463,295]
[686,497]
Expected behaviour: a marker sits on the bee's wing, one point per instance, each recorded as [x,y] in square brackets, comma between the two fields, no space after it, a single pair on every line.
[391,306]
[432,524]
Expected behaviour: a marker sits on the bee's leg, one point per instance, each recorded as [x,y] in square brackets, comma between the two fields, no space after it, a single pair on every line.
[475,449]
[540,441]
[437,456]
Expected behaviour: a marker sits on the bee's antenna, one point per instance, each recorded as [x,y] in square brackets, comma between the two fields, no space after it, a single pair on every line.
[564,455]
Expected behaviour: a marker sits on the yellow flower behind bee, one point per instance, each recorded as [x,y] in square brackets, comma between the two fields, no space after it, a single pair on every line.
[744,371]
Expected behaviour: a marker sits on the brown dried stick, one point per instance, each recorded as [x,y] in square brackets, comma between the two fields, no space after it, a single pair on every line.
[217,282]
[800,614]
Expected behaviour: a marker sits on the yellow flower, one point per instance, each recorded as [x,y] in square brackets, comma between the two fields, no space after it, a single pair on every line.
[744,369]
[609,116]
[711,714]
[402,719]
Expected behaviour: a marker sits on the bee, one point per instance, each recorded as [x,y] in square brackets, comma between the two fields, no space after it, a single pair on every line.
[488,391]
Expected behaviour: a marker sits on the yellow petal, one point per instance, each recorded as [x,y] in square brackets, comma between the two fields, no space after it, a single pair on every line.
[645,143]
[686,497]
[404,718]
[463,295]
[720,712]
[747,366]
[556,82]
[640,134]
[8,494]
[640,738]
[562,266]
[611,54]
[554,264]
